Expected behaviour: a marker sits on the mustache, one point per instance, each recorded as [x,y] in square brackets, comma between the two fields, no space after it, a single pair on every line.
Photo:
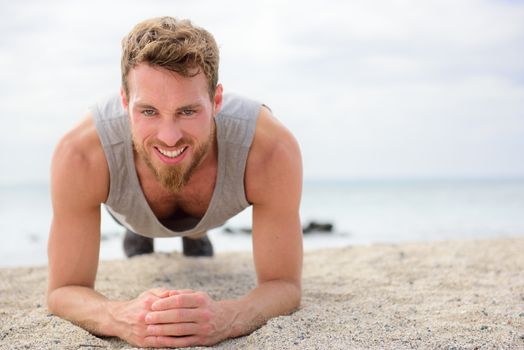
[182,141]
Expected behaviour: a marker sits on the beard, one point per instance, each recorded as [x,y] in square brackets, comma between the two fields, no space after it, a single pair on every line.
[175,177]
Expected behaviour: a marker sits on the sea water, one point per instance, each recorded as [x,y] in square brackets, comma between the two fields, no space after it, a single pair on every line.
[362,212]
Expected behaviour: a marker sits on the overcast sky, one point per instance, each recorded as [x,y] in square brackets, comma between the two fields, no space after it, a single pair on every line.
[371,89]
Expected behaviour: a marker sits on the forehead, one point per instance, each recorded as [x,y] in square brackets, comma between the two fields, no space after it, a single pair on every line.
[156,85]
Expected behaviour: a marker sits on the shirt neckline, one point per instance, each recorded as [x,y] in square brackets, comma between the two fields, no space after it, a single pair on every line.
[214,196]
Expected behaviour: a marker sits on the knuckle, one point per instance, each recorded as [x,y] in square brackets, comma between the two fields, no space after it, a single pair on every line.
[144,342]
[202,294]
[207,328]
[141,316]
[201,299]
[151,330]
[205,315]
[206,341]
[146,300]
[199,340]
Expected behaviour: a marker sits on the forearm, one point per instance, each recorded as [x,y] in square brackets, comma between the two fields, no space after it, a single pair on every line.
[267,300]
[84,307]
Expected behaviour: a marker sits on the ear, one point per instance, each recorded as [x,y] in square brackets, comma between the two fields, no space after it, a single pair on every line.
[125,102]
[218,99]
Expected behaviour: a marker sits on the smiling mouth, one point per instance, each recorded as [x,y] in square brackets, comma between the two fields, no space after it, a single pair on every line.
[172,154]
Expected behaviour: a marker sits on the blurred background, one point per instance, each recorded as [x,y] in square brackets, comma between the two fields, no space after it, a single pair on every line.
[410,114]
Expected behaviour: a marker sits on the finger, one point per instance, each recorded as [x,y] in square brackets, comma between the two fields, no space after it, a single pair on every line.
[171,342]
[173,329]
[164,294]
[179,301]
[159,291]
[161,294]
[181,291]
[173,316]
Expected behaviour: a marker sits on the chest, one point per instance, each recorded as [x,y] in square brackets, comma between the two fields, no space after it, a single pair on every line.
[193,201]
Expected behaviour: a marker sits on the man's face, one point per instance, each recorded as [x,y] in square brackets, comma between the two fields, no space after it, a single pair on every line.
[172,122]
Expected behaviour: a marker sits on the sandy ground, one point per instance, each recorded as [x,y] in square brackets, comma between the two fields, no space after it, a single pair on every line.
[446,295]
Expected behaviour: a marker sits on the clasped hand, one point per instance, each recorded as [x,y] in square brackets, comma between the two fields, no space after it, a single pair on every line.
[175,318]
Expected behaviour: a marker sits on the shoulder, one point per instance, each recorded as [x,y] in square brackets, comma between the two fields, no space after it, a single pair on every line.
[79,163]
[274,164]
[238,106]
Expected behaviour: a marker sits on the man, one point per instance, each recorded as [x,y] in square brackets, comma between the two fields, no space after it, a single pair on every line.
[174,156]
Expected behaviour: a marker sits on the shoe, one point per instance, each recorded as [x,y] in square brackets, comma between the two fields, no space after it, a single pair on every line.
[135,244]
[197,247]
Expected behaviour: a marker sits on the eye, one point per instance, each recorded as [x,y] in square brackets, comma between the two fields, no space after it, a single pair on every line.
[187,112]
[148,112]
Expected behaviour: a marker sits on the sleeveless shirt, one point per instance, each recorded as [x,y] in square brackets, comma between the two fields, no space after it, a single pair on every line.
[235,128]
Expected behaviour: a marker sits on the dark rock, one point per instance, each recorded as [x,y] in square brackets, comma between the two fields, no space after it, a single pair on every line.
[483,328]
[315,226]
[228,230]
[311,227]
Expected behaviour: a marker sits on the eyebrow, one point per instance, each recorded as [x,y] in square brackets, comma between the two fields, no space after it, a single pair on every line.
[144,105]
[189,106]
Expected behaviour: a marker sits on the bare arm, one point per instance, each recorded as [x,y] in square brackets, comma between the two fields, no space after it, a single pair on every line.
[80,183]
[274,186]
[75,231]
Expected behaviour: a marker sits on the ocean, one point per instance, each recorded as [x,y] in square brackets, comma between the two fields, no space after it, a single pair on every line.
[361,212]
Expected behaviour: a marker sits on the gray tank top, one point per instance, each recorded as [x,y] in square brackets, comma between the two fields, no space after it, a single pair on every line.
[235,127]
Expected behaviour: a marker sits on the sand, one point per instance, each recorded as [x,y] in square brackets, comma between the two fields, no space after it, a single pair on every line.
[443,295]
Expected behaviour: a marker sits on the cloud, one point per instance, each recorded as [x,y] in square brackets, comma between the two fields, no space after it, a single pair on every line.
[370,88]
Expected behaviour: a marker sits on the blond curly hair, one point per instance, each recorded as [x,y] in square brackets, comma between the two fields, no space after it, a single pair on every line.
[176,45]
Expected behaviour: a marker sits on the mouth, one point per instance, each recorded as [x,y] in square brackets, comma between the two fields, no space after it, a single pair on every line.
[171,156]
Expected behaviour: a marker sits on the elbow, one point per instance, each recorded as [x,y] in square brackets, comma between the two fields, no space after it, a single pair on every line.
[297,297]
[51,302]
[55,301]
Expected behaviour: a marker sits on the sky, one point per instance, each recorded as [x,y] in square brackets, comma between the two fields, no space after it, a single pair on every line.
[371,89]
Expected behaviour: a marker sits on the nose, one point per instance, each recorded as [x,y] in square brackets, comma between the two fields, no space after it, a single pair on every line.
[169,132]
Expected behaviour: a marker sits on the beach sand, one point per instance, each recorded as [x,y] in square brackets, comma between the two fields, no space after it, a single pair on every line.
[440,295]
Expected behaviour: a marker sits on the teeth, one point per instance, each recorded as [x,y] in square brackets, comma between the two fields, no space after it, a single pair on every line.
[171,154]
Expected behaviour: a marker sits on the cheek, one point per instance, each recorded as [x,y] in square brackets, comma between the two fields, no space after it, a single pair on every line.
[141,129]
[197,129]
